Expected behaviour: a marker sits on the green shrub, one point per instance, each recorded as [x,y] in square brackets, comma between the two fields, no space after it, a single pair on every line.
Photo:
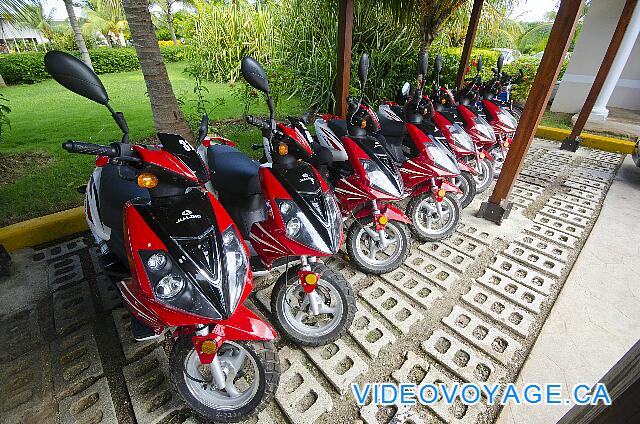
[28,68]
[451,62]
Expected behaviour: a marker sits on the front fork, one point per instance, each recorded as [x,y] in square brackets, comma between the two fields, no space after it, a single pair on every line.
[309,281]
[207,350]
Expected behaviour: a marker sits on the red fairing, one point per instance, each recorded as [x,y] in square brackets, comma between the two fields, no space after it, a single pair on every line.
[208,140]
[462,165]
[390,211]
[166,161]
[243,325]
[442,124]
[268,237]
[296,136]
[469,125]
[497,125]
[329,116]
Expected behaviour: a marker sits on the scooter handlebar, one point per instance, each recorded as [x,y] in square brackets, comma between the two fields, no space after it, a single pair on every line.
[90,149]
[257,122]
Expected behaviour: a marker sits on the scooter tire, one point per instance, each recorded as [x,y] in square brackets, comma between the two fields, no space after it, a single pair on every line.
[337,281]
[486,166]
[366,267]
[264,354]
[499,158]
[468,187]
[416,230]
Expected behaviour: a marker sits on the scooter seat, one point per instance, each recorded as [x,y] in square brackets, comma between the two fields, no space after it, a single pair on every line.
[338,127]
[232,171]
[392,129]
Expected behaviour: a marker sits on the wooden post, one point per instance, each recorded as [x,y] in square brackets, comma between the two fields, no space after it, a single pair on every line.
[497,208]
[468,41]
[345,30]
[571,143]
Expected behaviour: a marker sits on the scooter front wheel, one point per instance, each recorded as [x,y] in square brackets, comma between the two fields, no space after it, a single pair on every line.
[499,157]
[484,177]
[316,318]
[428,223]
[467,184]
[249,371]
[372,255]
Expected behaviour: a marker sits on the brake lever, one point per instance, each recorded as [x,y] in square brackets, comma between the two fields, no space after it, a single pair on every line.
[125,160]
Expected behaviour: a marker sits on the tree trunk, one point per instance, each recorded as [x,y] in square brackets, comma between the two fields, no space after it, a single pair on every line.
[172,30]
[84,53]
[2,83]
[167,115]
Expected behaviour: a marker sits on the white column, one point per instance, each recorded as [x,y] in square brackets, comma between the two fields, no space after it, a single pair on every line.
[600,111]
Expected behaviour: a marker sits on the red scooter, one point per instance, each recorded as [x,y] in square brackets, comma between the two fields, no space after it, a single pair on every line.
[476,126]
[286,211]
[365,181]
[178,260]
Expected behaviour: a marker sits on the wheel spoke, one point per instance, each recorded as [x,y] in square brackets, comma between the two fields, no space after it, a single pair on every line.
[238,360]
[324,309]
[373,249]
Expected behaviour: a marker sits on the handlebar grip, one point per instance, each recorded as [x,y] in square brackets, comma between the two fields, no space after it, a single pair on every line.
[257,147]
[257,122]
[90,149]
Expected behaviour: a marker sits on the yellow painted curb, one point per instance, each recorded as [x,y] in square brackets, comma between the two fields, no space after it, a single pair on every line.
[43,229]
[608,144]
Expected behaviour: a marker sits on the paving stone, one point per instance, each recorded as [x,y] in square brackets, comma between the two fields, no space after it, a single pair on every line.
[602,185]
[451,257]
[554,235]
[339,363]
[391,306]
[71,307]
[520,201]
[418,288]
[493,341]
[524,193]
[565,216]
[535,260]
[150,391]
[350,273]
[131,348]
[522,274]
[532,188]
[500,309]
[584,195]
[475,233]
[583,187]
[92,405]
[65,272]
[558,225]
[26,387]
[95,262]
[300,395]
[464,244]
[76,361]
[590,174]
[59,250]
[420,372]
[21,333]
[109,293]
[533,180]
[571,208]
[434,270]
[400,414]
[539,172]
[370,334]
[585,203]
[469,364]
[559,253]
[512,290]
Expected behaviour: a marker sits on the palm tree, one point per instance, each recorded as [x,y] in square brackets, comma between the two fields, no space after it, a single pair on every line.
[166,6]
[73,21]
[36,18]
[167,115]
[105,19]
[14,9]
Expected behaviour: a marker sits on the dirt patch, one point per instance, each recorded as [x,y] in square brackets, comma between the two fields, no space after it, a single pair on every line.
[16,165]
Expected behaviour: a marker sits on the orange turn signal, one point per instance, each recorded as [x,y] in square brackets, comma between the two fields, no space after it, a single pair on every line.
[209,347]
[363,124]
[441,193]
[311,279]
[147,180]
[283,149]
[481,155]
[383,220]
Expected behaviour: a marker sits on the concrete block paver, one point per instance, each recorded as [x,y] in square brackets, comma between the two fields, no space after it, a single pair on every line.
[369,332]
[559,225]
[434,270]
[415,286]
[72,306]
[554,235]
[391,306]
[452,257]
[529,277]
[92,405]
[553,250]
[65,272]
[59,250]
[339,363]
[535,260]
[301,397]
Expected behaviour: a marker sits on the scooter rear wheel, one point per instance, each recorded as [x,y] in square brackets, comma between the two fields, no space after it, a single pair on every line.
[467,184]
[367,255]
[292,307]
[251,372]
[484,176]
[427,226]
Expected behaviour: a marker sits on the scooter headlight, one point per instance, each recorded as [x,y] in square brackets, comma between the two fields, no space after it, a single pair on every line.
[157,261]
[235,266]
[507,119]
[442,159]
[379,179]
[484,128]
[299,228]
[169,286]
[461,138]
[293,227]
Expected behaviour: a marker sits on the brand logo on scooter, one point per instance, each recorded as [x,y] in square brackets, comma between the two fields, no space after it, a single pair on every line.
[307,177]
[185,145]
[187,214]
[218,330]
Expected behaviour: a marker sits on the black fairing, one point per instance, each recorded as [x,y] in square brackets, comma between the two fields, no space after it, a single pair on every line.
[306,191]
[180,148]
[376,149]
[188,228]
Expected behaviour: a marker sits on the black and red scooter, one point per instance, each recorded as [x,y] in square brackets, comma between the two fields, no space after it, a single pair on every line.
[178,261]
[286,212]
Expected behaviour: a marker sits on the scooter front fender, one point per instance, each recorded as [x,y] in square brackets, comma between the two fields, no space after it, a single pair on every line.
[391,212]
[243,325]
[487,155]
[449,187]
[464,167]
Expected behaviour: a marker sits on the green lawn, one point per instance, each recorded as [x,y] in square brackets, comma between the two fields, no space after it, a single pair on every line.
[45,114]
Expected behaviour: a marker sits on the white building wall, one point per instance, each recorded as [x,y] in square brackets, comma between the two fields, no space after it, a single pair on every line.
[587,56]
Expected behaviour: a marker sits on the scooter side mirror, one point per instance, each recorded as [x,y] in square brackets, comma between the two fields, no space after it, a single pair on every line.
[479,65]
[406,87]
[363,69]
[76,76]
[500,62]
[438,63]
[254,74]
[204,128]
[424,64]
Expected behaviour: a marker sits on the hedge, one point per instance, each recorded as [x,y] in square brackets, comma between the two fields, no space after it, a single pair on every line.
[28,68]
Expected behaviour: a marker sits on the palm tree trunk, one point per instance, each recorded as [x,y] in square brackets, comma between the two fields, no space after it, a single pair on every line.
[167,115]
[172,30]
[84,53]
